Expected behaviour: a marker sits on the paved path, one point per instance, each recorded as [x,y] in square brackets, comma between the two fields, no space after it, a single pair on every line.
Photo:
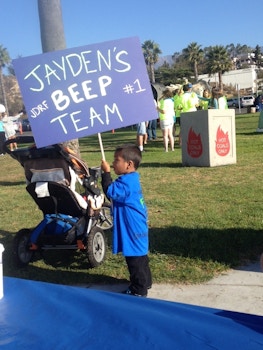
[238,290]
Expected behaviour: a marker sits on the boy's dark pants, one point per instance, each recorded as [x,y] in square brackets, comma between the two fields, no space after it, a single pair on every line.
[140,274]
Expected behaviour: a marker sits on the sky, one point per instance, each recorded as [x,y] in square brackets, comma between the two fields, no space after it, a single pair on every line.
[173,25]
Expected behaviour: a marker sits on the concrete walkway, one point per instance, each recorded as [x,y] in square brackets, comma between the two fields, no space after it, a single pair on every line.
[239,290]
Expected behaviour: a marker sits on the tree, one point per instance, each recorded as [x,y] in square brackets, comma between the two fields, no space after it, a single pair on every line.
[236,50]
[218,61]
[165,75]
[258,56]
[151,52]
[52,37]
[194,54]
[4,61]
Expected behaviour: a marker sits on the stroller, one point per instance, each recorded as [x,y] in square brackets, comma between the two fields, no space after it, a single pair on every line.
[70,220]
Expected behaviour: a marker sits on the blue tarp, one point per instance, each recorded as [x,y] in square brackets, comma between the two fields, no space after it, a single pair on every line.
[37,315]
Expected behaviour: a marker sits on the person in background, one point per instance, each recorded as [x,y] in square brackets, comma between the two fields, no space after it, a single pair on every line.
[152,124]
[152,129]
[259,103]
[177,110]
[10,132]
[166,114]
[174,98]
[130,218]
[218,99]
[204,100]
[141,138]
[2,136]
[145,136]
[190,100]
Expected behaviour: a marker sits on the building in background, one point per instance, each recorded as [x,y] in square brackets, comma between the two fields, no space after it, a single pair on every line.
[245,79]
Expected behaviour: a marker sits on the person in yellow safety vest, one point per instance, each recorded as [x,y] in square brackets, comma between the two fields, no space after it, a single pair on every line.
[178,107]
[190,100]
[177,110]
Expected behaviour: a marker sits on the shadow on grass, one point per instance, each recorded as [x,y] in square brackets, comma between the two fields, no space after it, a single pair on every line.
[160,165]
[250,133]
[13,183]
[231,247]
[48,266]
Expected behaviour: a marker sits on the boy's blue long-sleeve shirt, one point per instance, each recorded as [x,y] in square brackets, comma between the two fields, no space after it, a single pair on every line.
[130,228]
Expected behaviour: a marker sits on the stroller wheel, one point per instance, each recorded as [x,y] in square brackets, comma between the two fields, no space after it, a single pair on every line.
[22,255]
[96,246]
[104,220]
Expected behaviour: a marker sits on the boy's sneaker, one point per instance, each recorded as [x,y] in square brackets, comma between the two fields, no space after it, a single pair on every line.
[129,292]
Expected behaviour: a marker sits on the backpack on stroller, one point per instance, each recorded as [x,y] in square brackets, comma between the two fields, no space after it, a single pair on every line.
[70,220]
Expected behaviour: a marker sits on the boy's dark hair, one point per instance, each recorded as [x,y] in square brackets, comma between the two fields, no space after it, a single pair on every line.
[130,152]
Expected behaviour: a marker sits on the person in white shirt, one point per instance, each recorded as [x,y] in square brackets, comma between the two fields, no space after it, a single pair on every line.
[166,113]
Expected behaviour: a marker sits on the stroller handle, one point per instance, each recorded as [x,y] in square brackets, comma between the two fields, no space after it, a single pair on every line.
[20,154]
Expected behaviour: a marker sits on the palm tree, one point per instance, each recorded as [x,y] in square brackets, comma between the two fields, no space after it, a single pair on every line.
[4,61]
[53,38]
[218,61]
[151,52]
[194,54]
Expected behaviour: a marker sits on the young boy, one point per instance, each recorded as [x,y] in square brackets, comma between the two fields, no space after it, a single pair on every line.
[130,228]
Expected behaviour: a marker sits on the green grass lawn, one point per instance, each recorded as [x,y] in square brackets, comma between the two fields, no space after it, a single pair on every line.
[202,220]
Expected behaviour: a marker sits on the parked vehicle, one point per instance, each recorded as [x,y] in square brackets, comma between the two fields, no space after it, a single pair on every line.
[26,125]
[232,103]
[247,101]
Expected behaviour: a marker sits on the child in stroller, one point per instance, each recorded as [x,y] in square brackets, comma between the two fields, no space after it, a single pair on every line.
[70,220]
